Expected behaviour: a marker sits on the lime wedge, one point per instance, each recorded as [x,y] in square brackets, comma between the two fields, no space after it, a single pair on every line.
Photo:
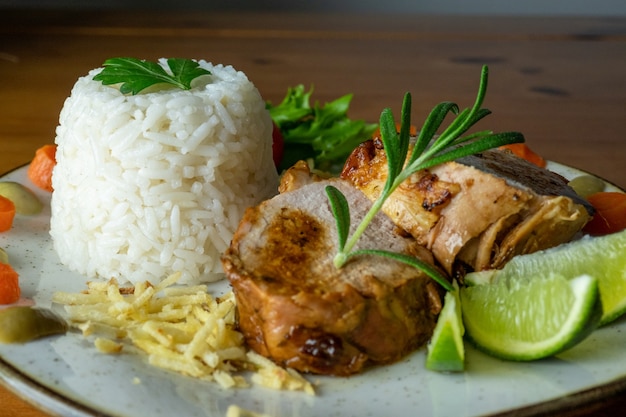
[527,319]
[604,258]
[446,352]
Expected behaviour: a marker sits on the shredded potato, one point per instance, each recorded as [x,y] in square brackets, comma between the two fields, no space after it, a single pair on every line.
[236,411]
[183,329]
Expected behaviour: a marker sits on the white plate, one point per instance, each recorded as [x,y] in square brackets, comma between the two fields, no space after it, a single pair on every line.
[65,375]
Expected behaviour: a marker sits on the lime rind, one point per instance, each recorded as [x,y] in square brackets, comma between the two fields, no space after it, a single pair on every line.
[495,323]
[602,257]
[446,351]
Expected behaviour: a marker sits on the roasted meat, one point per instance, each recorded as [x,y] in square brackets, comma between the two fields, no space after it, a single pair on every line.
[477,212]
[298,309]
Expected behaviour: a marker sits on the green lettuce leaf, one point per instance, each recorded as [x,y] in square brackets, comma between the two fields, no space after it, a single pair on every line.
[324,133]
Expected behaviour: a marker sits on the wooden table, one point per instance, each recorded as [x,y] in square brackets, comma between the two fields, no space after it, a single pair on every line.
[560,81]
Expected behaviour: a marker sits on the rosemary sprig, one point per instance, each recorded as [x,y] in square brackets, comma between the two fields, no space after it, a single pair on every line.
[428,151]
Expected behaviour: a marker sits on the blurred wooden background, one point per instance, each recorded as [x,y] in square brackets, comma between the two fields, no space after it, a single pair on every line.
[465,7]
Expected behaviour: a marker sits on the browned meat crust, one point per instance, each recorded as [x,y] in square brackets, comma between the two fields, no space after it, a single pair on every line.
[296,308]
[477,212]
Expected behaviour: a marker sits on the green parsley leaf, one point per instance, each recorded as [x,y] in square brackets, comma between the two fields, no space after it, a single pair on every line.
[323,133]
[136,75]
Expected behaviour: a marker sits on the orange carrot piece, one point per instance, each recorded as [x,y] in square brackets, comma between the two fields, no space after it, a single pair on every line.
[7,213]
[610,214]
[523,151]
[40,169]
[9,285]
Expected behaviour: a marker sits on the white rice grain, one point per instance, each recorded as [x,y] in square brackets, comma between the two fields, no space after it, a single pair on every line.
[156,183]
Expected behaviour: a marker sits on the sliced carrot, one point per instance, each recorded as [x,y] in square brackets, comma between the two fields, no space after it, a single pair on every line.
[412,131]
[40,169]
[7,213]
[610,216]
[523,151]
[9,285]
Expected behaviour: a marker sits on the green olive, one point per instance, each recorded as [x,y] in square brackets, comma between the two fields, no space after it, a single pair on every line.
[22,324]
[585,185]
[26,202]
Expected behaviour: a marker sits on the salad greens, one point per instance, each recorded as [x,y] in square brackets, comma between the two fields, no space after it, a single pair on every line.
[136,75]
[428,150]
[321,132]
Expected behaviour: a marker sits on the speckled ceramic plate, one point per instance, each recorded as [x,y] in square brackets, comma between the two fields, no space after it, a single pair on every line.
[66,376]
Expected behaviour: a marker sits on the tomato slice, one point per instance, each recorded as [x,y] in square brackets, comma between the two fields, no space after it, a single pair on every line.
[278,144]
[610,216]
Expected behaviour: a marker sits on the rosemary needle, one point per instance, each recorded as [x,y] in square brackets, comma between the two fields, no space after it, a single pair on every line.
[428,151]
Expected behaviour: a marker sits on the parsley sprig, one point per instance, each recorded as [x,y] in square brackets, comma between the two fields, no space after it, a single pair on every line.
[324,133]
[136,75]
[428,151]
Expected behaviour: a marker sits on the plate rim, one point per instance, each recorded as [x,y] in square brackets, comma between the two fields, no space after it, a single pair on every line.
[46,399]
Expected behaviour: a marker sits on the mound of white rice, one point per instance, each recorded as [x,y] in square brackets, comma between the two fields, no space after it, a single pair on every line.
[156,183]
